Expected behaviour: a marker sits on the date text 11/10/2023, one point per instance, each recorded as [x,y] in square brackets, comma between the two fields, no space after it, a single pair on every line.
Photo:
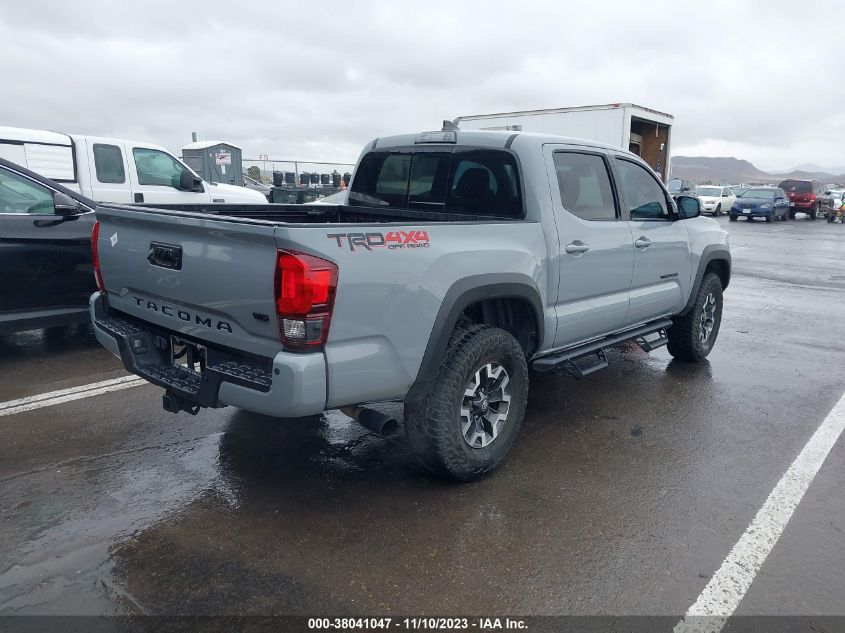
[417,624]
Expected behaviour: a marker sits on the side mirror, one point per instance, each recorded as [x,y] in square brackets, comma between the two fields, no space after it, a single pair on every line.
[688,207]
[189,182]
[65,205]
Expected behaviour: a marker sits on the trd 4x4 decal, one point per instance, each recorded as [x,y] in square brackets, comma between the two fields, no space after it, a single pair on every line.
[392,240]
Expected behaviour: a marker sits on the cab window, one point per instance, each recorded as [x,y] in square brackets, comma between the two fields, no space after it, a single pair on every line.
[471,182]
[20,195]
[155,167]
[643,195]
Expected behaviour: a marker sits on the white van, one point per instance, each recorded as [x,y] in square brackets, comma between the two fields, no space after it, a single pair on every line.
[115,170]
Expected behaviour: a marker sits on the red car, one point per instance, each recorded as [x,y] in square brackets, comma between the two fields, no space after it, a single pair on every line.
[809,196]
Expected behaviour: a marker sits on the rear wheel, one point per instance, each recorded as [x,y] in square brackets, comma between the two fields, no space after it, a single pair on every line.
[466,423]
[693,334]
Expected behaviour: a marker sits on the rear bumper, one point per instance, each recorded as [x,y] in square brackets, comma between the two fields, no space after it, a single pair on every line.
[288,385]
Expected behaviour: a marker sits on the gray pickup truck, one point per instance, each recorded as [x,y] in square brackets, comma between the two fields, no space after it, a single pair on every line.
[459,260]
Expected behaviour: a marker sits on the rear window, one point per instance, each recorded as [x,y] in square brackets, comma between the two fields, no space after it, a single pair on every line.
[474,182]
[796,186]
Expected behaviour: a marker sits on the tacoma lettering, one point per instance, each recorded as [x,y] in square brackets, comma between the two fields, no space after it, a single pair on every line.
[183,315]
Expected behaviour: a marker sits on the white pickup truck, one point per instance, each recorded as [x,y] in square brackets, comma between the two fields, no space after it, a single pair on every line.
[116,170]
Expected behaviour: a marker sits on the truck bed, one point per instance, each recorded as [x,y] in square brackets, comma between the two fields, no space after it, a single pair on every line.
[317,214]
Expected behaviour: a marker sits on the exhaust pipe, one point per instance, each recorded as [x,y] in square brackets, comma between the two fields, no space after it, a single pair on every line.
[375,421]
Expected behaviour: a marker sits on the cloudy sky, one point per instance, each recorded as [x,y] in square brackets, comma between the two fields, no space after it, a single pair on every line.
[764,81]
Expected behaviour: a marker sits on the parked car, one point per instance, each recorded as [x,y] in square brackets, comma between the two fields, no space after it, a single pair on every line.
[715,199]
[770,203]
[460,258]
[115,170]
[809,196]
[680,187]
[45,252]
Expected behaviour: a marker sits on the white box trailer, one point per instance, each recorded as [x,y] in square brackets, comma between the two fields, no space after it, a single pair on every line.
[643,131]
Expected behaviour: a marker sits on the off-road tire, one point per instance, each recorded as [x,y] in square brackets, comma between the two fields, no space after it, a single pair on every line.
[684,342]
[433,424]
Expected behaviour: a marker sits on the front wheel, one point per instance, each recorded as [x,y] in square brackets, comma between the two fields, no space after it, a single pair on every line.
[466,423]
[771,217]
[814,212]
[718,210]
[732,217]
[693,334]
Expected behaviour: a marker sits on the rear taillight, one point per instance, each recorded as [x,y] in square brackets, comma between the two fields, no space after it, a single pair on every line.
[95,257]
[305,290]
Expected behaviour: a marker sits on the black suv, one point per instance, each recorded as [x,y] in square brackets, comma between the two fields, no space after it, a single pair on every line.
[809,196]
[45,252]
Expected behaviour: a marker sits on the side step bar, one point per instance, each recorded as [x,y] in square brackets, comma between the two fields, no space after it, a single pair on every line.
[566,358]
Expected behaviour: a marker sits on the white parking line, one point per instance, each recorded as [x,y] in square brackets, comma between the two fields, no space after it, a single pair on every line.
[731,581]
[66,395]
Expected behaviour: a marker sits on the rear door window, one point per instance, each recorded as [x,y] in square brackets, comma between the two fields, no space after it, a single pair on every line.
[108,163]
[584,185]
[475,182]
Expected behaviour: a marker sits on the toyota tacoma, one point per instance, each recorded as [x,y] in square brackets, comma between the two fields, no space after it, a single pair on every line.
[459,260]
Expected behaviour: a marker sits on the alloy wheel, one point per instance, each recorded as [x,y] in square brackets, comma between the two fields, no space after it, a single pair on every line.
[707,320]
[485,405]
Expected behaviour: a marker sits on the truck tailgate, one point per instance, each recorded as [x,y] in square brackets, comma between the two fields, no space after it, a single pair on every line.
[211,278]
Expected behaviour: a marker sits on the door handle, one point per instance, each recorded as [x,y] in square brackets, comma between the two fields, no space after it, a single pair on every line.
[643,243]
[576,248]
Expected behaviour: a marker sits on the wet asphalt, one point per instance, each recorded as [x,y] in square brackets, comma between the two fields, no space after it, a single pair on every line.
[623,494]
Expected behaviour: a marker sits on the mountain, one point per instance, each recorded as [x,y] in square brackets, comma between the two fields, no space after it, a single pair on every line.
[709,168]
[813,168]
[733,170]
